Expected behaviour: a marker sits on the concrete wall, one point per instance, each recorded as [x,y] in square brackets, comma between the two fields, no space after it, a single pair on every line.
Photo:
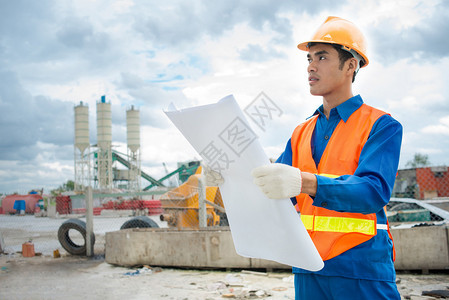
[169,248]
[420,248]
[185,248]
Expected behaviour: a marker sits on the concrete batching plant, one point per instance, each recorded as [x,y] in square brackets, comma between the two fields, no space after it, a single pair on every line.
[104,156]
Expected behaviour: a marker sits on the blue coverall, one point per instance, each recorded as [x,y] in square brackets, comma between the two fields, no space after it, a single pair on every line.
[365,271]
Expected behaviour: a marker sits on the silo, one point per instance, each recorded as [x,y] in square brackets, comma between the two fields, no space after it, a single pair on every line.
[133,140]
[82,159]
[104,124]
[104,141]
[133,129]
[81,127]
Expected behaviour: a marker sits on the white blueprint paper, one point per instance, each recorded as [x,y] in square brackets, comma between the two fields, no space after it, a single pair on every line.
[260,227]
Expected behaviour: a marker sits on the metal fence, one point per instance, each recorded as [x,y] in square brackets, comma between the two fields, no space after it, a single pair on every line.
[422,183]
[188,206]
[41,226]
[59,223]
[430,185]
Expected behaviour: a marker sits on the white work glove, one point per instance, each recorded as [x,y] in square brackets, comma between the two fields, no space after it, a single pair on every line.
[278,181]
[211,177]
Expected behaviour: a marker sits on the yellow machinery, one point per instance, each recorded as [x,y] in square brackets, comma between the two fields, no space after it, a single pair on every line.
[181,205]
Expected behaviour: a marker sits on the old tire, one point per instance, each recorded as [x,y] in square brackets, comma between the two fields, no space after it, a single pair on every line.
[139,222]
[223,219]
[65,240]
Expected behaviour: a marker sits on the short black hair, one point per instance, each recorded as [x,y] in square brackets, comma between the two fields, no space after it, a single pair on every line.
[343,55]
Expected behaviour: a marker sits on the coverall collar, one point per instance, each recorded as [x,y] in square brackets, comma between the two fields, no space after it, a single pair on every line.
[344,110]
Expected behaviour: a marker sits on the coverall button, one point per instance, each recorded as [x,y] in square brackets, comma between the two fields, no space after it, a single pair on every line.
[326,137]
[324,204]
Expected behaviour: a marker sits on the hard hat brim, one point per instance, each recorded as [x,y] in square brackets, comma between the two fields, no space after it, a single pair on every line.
[305,47]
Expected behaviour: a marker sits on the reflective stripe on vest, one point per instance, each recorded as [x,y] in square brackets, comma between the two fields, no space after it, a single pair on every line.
[339,224]
[329,175]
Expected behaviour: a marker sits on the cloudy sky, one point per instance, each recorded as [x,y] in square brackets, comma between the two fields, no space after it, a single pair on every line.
[54,54]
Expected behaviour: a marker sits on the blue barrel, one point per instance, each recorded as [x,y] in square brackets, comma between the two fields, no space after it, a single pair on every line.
[20,206]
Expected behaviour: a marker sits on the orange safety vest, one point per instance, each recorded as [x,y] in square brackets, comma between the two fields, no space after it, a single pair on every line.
[335,232]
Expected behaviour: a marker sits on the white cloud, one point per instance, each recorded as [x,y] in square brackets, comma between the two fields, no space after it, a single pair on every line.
[148,54]
[438,129]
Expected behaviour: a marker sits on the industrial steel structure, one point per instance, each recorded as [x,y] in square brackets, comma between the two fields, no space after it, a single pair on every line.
[104,170]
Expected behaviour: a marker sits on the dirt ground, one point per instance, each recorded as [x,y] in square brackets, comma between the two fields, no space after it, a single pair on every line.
[69,277]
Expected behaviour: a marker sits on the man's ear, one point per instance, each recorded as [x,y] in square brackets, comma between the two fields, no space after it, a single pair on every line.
[352,65]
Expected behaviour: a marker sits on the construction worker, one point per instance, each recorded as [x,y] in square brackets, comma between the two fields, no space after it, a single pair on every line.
[339,169]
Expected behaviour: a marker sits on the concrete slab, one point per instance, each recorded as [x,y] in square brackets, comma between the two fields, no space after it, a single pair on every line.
[419,248]
[212,248]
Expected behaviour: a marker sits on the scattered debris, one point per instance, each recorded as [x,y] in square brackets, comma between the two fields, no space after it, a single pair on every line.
[56,254]
[28,249]
[234,280]
[290,279]
[143,270]
[217,286]
[258,294]
[437,293]
[254,273]
[247,294]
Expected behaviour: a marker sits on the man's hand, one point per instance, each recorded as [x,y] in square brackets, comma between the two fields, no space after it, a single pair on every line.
[278,181]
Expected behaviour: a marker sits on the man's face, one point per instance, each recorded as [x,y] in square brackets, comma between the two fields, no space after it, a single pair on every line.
[325,76]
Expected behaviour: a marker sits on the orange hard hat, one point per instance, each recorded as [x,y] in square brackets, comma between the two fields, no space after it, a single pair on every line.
[339,31]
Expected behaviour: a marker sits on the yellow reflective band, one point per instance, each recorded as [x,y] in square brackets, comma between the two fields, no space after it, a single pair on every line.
[307,220]
[339,224]
[329,175]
